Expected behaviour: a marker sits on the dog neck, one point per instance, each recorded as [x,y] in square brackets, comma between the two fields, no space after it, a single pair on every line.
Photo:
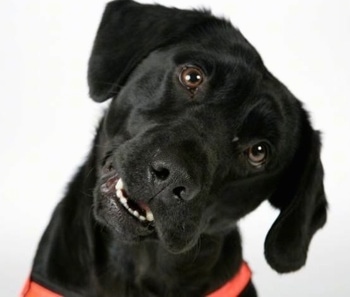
[149,266]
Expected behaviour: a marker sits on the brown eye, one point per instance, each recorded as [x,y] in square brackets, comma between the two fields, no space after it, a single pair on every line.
[191,77]
[257,154]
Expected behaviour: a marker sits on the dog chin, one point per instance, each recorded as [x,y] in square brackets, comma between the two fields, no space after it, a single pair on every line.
[178,247]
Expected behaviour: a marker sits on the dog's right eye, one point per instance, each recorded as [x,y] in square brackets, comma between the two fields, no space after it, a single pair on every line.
[191,77]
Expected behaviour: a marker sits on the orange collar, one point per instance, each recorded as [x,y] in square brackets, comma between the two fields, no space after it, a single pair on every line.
[232,288]
[235,286]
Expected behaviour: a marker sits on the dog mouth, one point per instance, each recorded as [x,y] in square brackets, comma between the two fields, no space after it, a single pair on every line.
[139,210]
[114,188]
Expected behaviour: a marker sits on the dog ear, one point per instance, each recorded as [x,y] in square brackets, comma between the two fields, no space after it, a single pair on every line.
[128,32]
[302,202]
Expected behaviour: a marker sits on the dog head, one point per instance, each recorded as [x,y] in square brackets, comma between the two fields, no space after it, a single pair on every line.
[198,133]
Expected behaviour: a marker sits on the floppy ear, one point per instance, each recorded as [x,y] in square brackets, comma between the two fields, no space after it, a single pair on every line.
[128,32]
[303,205]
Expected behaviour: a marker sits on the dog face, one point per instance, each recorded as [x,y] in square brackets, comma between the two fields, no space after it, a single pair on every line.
[198,134]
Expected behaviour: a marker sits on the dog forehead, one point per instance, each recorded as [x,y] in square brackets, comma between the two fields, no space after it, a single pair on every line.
[227,78]
[219,52]
[226,69]
[237,82]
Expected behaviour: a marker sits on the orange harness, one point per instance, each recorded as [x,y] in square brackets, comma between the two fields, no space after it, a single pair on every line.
[231,289]
[33,289]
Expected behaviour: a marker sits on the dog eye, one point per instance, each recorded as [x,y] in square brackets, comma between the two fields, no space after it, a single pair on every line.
[257,154]
[191,77]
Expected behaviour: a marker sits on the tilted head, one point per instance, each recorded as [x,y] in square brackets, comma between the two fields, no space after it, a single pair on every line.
[198,134]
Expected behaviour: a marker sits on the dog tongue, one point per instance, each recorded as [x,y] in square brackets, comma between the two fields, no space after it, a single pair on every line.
[147,210]
[144,206]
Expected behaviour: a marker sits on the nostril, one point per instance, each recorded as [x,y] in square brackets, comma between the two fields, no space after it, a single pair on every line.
[180,192]
[161,173]
[171,178]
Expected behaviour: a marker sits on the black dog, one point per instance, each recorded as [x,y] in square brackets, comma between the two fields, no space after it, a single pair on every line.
[197,135]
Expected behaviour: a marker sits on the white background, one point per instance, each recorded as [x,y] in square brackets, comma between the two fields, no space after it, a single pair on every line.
[47,122]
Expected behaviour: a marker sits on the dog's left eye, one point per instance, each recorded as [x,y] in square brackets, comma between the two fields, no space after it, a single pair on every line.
[191,77]
[258,154]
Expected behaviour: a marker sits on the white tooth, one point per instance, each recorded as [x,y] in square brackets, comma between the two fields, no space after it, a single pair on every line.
[119,185]
[136,213]
[142,218]
[149,216]
[123,200]
[119,194]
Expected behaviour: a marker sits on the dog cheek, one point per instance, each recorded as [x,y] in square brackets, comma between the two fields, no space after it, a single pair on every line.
[115,118]
[103,211]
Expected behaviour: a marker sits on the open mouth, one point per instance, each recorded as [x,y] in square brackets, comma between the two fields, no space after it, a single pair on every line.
[139,210]
[114,187]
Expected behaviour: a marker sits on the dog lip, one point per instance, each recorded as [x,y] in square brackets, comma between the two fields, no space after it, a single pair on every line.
[108,185]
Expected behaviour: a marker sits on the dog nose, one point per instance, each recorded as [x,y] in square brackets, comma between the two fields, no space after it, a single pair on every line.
[172,178]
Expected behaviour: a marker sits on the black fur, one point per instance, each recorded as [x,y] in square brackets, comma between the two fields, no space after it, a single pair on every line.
[184,154]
